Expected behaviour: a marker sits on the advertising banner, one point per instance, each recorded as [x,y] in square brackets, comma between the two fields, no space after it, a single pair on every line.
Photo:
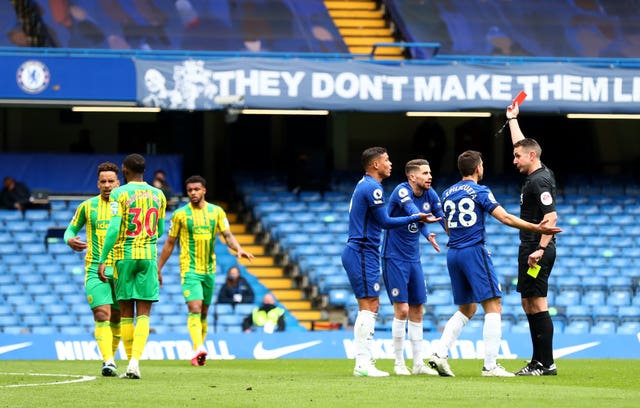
[326,344]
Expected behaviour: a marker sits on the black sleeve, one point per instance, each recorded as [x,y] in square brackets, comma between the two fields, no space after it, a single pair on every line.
[247,295]
[225,296]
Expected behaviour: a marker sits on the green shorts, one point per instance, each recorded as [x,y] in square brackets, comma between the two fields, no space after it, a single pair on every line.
[198,286]
[98,292]
[137,279]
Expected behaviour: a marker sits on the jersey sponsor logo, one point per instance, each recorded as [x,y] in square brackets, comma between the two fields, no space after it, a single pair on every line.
[413,227]
[260,353]
[545,198]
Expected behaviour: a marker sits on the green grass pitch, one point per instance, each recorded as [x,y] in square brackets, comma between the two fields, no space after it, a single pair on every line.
[314,383]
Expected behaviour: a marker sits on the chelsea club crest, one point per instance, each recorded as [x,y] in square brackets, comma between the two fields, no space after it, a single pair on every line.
[33,76]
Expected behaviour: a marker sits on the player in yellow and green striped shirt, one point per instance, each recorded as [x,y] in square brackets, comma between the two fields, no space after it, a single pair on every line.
[95,214]
[196,226]
[137,220]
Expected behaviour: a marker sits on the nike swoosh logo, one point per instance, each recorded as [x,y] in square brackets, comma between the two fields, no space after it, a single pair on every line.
[12,347]
[259,352]
[565,351]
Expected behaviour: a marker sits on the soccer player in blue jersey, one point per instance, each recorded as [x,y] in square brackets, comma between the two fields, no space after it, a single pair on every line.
[473,279]
[361,256]
[401,267]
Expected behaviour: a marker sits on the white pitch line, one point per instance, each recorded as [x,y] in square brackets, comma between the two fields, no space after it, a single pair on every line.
[78,378]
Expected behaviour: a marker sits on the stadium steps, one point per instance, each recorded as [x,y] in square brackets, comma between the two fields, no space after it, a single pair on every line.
[362,24]
[273,277]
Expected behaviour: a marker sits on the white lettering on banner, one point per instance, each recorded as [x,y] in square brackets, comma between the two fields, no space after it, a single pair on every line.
[77,350]
[154,350]
[197,83]
[548,86]
[501,87]
[463,349]
[595,89]
[293,82]
[321,85]
[477,88]
[453,89]
[618,95]
[572,88]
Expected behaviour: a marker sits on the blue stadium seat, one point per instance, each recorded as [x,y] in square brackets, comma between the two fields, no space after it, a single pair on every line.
[333,282]
[8,320]
[568,297]
[579,312]
[577,327]
[619,283]
[630,328]
[73,330]
[339,297]
[568,282]
[63,320]
[603,327]
[44,330]
[594,297]
[629,313]
[319,206]
[438,282]
[34,320]
[619,298]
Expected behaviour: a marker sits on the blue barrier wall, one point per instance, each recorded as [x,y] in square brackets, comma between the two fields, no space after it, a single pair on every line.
[76,173]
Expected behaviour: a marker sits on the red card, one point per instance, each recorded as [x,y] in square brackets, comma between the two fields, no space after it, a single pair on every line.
[518,99]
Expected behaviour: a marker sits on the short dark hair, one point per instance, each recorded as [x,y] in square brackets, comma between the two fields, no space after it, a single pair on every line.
[108,166]
[196,179]
[135,163]
[414,165]
[468,161]
[529,145]
[371,153]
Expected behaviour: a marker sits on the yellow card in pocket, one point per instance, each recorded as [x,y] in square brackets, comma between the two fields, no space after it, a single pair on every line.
[533,271]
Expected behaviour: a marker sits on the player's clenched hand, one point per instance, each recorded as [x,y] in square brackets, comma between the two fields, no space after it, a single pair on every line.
[101,275]
[76,244]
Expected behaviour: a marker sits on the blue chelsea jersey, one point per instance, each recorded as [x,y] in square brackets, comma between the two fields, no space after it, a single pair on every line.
[363,228]
[403,242]
[466,205]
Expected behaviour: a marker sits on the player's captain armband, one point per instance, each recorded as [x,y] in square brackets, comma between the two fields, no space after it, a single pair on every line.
[533,271]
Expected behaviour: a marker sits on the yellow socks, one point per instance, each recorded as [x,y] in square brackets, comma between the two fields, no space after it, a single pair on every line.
[102,333]
[115,337]
[194,324]
[140,335]
[126,331]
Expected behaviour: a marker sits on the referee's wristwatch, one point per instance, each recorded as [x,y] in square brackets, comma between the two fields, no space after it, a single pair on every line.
[541,247]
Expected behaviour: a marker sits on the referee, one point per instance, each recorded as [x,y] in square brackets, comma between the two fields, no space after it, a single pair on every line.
[537,253]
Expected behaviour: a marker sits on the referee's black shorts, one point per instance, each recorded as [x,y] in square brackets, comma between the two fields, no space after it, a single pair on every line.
[529,286]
